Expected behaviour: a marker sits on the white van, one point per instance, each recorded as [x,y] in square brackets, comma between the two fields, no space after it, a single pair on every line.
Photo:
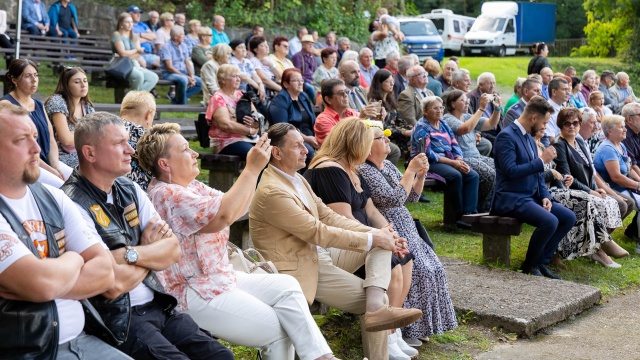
[451,27]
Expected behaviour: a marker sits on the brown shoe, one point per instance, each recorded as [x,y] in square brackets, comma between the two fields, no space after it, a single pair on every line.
[389,318]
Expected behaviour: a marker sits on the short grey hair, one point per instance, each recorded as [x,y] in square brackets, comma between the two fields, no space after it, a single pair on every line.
[363,51]
[427,101]
[176,30]
[342,39]
[153,12]
[349,55]
[518,84]
[91,128]
[609,122]
[622,74]
[588,73]
[415,58]
[587,113]
[411,71]
[404,63]
[459,74]
[630,109]
[391,55]
[485,76]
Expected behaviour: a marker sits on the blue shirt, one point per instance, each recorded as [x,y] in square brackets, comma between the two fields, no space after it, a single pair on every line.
[140,28]
[545,91]
[608,152]
[368,74]
[177,54]
[219,37]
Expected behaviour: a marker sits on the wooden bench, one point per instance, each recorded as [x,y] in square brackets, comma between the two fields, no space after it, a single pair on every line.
[448,211]
[120,88]
[160,108]
[496,235]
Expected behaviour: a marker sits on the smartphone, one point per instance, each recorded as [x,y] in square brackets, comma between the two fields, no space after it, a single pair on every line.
[422,145]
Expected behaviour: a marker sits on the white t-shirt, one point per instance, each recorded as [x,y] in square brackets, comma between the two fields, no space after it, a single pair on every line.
[77,238]
[141,294]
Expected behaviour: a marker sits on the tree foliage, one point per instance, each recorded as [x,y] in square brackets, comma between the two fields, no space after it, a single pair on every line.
[612,29]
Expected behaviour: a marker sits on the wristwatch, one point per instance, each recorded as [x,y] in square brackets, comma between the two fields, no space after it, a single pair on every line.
[130,255]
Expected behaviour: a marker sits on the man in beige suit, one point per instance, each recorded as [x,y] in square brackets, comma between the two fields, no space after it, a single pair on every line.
[409,100]
[304,238]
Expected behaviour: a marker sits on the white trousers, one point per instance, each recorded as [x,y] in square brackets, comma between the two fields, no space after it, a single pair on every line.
[50,179]
[268,312]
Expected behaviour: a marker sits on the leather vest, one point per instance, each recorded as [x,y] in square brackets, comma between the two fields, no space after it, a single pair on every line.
[118,226]
[30,330]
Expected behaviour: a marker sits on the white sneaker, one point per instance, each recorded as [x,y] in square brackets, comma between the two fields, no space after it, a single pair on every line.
[394,351]
[411,352]
[637,248]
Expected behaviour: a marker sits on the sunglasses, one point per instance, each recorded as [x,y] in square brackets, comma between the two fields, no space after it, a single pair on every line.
[573,123]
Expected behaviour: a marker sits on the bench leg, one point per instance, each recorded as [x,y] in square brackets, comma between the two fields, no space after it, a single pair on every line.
[119,93]
[496,248]
[220,180]
[449,213]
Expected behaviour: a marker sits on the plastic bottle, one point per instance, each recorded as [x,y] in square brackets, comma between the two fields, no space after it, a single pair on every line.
[172,91]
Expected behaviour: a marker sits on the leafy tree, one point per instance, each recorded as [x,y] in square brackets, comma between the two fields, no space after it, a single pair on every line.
[612,29]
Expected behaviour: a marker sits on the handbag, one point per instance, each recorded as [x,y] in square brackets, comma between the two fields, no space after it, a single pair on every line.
[242,260]
[120,68]
[423,233]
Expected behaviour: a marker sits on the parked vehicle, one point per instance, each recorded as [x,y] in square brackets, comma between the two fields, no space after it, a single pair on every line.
[452,28]
[421,38]
[505,27]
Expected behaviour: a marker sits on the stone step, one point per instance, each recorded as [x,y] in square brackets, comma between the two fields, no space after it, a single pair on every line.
[516,302]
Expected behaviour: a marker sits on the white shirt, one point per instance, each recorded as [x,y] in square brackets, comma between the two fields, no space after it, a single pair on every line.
[552,127]
[141,294]
[299,186]
[77,238]
[524,132]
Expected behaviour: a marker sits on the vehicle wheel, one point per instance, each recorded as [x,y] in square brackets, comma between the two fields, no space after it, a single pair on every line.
[502,52]
[463,52]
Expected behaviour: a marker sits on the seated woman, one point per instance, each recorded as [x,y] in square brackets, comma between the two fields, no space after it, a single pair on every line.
[264,311]
[333,176]
[433,70]
[22,82]
[576,99]
[612,164]
[228,136]
[467,128]
[248,74]
[202,51]
[589,233]
[209,73]
[124,43]
[435,138]
[279,56]
[382,90]
[191,38]
[389,191]
[69,102]
[262,63]
[327,70]
[293,106]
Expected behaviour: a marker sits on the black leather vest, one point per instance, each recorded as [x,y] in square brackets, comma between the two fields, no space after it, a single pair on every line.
[118,226]
[30,330]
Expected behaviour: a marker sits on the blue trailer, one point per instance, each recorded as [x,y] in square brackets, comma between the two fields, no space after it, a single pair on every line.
[505,27]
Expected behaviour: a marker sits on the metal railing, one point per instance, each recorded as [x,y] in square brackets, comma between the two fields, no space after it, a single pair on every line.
[563,47]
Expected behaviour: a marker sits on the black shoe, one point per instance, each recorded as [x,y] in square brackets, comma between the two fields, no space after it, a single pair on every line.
[463,225]
[424,199]
[154,93]
[531,270]
[547,273]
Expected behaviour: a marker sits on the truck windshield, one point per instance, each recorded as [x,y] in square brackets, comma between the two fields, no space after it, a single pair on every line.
[418,28]
[488,24]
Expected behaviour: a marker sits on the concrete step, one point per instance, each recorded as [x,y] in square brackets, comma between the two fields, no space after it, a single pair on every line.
[516,302]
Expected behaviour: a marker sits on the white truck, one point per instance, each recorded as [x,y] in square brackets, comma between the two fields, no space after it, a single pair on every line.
[452,28]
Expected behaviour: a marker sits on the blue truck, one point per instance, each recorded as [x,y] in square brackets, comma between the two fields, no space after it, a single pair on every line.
[506,27]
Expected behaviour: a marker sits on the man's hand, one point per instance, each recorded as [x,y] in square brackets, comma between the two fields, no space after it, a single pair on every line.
[384,238]
[546,203]
[156,229]
[401,247]
[59,33]
[192,80]
[369,112]
[548,154]
[259,155]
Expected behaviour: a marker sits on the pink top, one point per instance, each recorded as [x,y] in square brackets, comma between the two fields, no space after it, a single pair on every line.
[204,265]
[219,138]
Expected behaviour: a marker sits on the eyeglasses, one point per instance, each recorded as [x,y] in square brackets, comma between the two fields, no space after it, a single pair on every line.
[466,101]
[635,114]
[437,108]
[300,81]
[422,74]
[573,123]
[341,93]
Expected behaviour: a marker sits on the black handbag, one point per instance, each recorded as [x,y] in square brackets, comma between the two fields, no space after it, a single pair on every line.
[423,233]
[243,107]
[120,68]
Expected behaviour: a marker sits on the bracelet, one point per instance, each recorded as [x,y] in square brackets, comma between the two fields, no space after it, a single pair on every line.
[481,110]
[497,109]
[421,177]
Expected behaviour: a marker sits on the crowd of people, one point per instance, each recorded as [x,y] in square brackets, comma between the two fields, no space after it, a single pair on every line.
[134,250]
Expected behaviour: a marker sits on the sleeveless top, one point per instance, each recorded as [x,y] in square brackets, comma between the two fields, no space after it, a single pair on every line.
[42,125]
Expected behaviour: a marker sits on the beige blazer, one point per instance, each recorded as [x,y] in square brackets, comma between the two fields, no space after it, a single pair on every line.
[409,105]
[286,231]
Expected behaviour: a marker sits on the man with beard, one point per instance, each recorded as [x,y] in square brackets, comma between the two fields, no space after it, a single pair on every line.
[48,258]
[520,188]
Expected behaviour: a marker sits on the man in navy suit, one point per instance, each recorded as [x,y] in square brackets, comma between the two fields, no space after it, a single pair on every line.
[520,188]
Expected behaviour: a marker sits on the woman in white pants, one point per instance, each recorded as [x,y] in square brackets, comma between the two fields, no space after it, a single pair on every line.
[268,312]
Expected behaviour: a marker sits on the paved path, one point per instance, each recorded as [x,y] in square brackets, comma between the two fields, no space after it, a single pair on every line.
[608,331]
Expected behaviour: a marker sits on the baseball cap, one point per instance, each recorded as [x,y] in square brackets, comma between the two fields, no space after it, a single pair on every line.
[608,73]
[134,9]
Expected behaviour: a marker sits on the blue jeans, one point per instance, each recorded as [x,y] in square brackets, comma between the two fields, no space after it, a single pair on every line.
[238,148]
[551,227]
[182,92]
[88,347]
[462,188]
[66,33]
[33,30]
[310,91]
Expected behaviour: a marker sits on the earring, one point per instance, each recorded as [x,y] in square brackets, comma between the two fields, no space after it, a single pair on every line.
[170,182]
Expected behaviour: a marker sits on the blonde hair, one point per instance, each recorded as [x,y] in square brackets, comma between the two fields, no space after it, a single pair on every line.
[349,141]
[433,67]
[164,17]
[137,103]
[224,71]
[593,95]
[192,24]
[220,50]
[609,122]
[204,31]
[153,145]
